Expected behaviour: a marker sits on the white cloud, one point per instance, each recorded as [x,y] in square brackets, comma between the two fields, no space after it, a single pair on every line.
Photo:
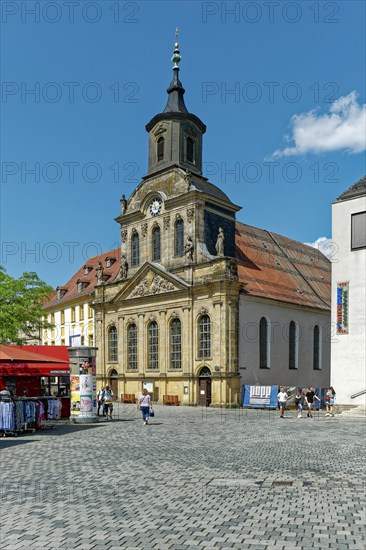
[342,127]
[325,246]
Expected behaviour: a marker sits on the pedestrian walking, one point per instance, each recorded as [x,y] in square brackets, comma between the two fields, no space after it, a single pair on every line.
[107,398]
[309,398]
[282,398]
[100,401]
[329,401]
[299,402]
[145,405]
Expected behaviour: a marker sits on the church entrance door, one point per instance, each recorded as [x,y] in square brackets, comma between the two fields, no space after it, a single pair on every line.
[204,387]
[114,383]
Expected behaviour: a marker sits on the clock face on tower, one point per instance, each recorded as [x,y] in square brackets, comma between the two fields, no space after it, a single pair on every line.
[155,207]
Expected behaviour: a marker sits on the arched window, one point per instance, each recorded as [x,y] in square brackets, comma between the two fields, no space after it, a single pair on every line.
[160,149]
[292,350]
[135,249]
[112,344]
[179,238]
[132,347]
[153,345]
[156,243]
[316,348]
[263,344]
[176,344]
[204,337]
[190,150]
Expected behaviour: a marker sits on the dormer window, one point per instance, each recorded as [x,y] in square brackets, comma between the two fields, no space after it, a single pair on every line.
[160,149]
[60,292]
[87,269]
[190,150]
[109,261]
[81,285]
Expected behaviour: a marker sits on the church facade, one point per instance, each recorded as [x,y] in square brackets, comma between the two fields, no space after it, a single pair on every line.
[172,318]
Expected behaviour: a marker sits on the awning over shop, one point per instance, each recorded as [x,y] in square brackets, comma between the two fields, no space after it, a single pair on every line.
[34,361]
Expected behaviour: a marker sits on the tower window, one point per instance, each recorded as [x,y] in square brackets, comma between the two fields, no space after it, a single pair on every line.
[293,343]
[204,337]
[156,244]
[135,249]
[179,238]
[316,348]
[190,150]
[160,149]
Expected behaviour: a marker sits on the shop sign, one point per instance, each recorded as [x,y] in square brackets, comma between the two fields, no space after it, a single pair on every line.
[342,308]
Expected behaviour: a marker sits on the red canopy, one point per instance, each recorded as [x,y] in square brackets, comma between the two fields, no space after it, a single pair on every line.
[41,361]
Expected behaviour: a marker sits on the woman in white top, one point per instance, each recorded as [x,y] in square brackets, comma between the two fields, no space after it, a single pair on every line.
[282,398]
[145,405]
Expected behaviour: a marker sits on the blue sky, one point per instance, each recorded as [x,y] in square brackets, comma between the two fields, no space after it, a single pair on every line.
[280,86]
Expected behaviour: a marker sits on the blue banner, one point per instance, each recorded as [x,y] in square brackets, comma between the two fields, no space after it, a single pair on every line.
[260,396]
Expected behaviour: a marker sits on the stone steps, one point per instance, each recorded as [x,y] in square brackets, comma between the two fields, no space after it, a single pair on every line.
[358,411]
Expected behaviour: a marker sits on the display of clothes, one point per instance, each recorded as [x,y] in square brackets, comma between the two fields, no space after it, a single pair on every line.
[18,414]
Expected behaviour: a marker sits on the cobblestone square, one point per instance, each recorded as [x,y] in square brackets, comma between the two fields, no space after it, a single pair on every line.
[193,478]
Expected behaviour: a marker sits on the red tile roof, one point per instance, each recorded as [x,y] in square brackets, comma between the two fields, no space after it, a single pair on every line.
[110,274]
[278,268]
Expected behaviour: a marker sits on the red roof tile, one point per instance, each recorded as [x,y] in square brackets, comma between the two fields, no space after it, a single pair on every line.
[278,268]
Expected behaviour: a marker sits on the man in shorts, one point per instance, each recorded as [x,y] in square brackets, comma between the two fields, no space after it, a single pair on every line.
[107,398]
[309,398]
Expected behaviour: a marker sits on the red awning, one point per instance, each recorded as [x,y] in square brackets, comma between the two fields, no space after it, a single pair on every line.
[34,369]
[19,354]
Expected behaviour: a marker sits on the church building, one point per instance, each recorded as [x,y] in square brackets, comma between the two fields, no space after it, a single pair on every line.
[203,304]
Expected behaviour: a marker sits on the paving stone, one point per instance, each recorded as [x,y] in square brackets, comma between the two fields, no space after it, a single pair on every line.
[192,479]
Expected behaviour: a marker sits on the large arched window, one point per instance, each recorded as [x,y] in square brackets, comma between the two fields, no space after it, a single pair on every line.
[176,344]
[263,344]
[204,337]
[179,237]
[132,347]
[316,348]
[160,149]
[156,252]
[190,150]
[112,344]
[292,348]
[135,249]
[153,345]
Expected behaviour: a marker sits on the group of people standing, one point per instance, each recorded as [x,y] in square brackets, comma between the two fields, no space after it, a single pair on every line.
[105,399]
[306,398]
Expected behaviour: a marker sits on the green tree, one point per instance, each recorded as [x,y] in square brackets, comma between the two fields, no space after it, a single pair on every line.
[21,313]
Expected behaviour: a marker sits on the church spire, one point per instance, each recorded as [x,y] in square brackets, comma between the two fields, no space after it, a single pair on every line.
[176,91]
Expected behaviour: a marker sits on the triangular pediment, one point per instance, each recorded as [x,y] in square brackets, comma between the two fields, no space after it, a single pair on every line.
[151,280]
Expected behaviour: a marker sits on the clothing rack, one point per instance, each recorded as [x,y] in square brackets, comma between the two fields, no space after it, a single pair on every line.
[19,414]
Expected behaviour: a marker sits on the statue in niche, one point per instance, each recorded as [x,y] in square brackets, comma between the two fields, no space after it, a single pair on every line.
[123,270]
[188,247]
[220,242]
[123,202]
[99,274]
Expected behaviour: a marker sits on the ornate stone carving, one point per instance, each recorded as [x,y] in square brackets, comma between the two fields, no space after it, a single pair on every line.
[152,284]
[190,130]
[160,130]
[178,217]
[203,311]
[144,229]
[123,202]
[190,214]
[140,289]
[161,285]
[166,221]
[123,235]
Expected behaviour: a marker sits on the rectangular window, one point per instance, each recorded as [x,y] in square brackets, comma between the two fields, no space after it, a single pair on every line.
[73,318]
[62,316]
[90,312]
[358,231]
[81,313]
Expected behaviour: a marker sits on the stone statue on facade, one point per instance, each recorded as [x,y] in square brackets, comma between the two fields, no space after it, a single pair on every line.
[123,270]
[99,274]
[123,202]
[220,242]
[188,247]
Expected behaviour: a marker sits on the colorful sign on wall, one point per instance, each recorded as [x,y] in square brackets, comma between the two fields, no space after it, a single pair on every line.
[342,308]
[260,396]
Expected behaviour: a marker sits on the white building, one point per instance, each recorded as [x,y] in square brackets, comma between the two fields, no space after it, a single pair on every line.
[348,346]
